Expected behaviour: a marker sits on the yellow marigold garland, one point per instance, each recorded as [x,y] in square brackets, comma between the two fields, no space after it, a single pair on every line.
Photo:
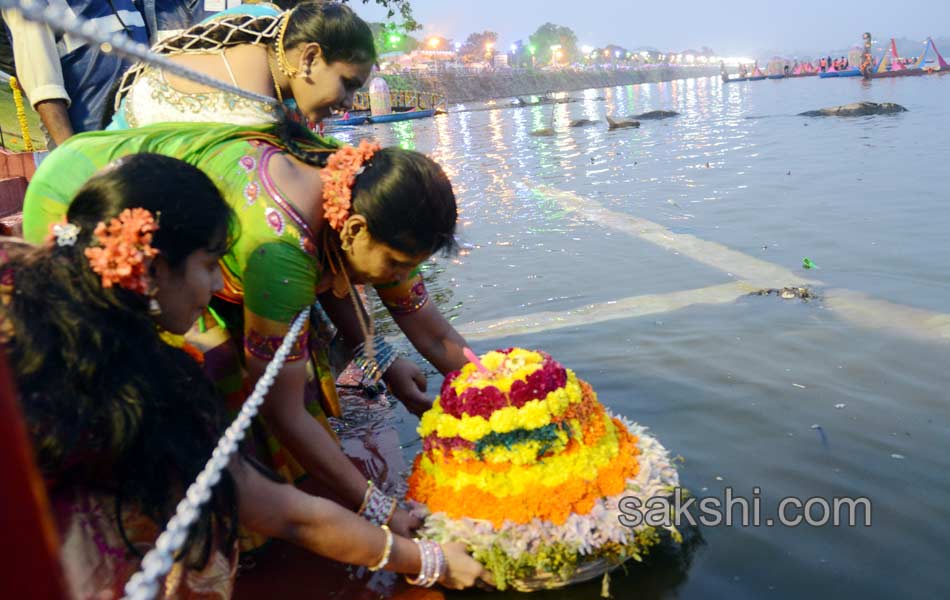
[577,461]
[21,114]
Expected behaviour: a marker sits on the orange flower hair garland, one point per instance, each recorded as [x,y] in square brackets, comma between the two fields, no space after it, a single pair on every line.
[338,177]
[124,251]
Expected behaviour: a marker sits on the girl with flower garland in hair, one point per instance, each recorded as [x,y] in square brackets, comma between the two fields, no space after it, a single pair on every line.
[316,55]
[122,421]
[315,221]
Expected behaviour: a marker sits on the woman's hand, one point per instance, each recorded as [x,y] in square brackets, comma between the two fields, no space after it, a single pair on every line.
[404,524]
[462,570]
[408,383]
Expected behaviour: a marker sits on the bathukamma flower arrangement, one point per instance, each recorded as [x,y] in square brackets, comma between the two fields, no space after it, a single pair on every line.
[521,462]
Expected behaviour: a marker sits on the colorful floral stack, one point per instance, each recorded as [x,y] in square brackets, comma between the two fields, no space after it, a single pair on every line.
[522,463]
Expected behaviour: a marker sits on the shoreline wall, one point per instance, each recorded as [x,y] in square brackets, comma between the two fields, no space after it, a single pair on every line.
[487,85]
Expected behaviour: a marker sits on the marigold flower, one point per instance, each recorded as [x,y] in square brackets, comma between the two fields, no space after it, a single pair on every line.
[338,178]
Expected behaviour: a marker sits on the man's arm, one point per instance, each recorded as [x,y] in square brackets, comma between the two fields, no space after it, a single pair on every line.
[40,73]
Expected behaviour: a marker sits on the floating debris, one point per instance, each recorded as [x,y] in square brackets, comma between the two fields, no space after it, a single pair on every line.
[898,456]
[840,405]
[798,385]
[787,293]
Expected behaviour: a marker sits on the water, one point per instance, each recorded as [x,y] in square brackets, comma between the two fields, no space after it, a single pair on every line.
[735,384]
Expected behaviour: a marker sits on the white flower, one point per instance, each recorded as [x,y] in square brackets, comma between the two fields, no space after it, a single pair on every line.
[66,234]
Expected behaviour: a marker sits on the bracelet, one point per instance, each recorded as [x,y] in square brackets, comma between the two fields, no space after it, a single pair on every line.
[366,494]
[387,550]
[374,368]
[379,508]
[432,561]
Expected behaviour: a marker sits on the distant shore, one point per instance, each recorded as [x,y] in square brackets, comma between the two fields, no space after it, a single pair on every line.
[458,87]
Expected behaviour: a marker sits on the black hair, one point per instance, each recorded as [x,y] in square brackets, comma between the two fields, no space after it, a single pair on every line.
[342,35]
[419,213]
[111,407]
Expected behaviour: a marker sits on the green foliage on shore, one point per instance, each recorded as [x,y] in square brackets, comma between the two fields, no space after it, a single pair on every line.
[402,7]
[549,35]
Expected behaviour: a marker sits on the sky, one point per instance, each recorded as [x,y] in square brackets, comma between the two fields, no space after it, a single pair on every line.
[730,27]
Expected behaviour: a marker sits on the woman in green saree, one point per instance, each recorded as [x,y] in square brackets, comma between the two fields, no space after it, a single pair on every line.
[287,257]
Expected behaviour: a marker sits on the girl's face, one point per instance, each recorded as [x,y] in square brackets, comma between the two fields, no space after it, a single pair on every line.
[328,87]
[374,262]
[183,292]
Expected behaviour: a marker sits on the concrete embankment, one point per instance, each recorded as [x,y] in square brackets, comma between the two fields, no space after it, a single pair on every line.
[469,87]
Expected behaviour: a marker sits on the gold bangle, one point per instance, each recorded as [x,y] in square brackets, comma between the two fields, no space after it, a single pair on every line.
[369,489]
[387,549]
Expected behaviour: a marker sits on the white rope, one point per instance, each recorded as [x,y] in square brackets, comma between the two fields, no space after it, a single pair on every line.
[120,45]
[156,564]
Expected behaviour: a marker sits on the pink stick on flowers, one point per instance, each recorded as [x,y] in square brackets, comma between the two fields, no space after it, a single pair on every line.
[473,358]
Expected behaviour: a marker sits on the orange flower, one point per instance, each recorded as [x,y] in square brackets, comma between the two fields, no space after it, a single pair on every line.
[553,504]
[125,248]
[338,177]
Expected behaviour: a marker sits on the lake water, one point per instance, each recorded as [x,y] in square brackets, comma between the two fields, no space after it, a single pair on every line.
[629,254]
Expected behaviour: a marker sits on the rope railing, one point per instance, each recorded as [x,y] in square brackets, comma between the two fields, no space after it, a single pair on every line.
[158,562]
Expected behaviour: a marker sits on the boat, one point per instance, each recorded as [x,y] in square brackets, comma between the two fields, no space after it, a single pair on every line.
[758,77]
[777,76]
[843,73]
[942,65]
[891,66]
[352,120]
[401,116]
[406,105]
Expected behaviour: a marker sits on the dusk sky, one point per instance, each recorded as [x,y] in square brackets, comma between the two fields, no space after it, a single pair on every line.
[730,27]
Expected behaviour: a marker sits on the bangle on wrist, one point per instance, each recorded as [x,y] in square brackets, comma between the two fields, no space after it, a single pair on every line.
[366,495]
[432,564]
[387,550]
[379,507]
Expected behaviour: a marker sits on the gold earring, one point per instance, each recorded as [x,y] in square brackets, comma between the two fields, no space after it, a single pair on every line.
[154,308]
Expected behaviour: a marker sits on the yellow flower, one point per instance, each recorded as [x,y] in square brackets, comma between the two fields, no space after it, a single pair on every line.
[448,426]
[472,428]
[504,419]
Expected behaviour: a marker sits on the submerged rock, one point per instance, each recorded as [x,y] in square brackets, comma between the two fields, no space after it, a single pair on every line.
[582,123]
[856,109]
[656,115]
[621,124]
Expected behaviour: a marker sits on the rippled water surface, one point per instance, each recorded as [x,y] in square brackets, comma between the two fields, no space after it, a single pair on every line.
[846,395]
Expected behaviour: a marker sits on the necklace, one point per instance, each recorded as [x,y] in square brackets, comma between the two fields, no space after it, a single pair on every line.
[273,76]
[363,315]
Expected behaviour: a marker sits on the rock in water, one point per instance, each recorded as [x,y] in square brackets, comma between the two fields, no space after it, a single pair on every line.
[582,123]
[656,115]
[856,109]
[621,124]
